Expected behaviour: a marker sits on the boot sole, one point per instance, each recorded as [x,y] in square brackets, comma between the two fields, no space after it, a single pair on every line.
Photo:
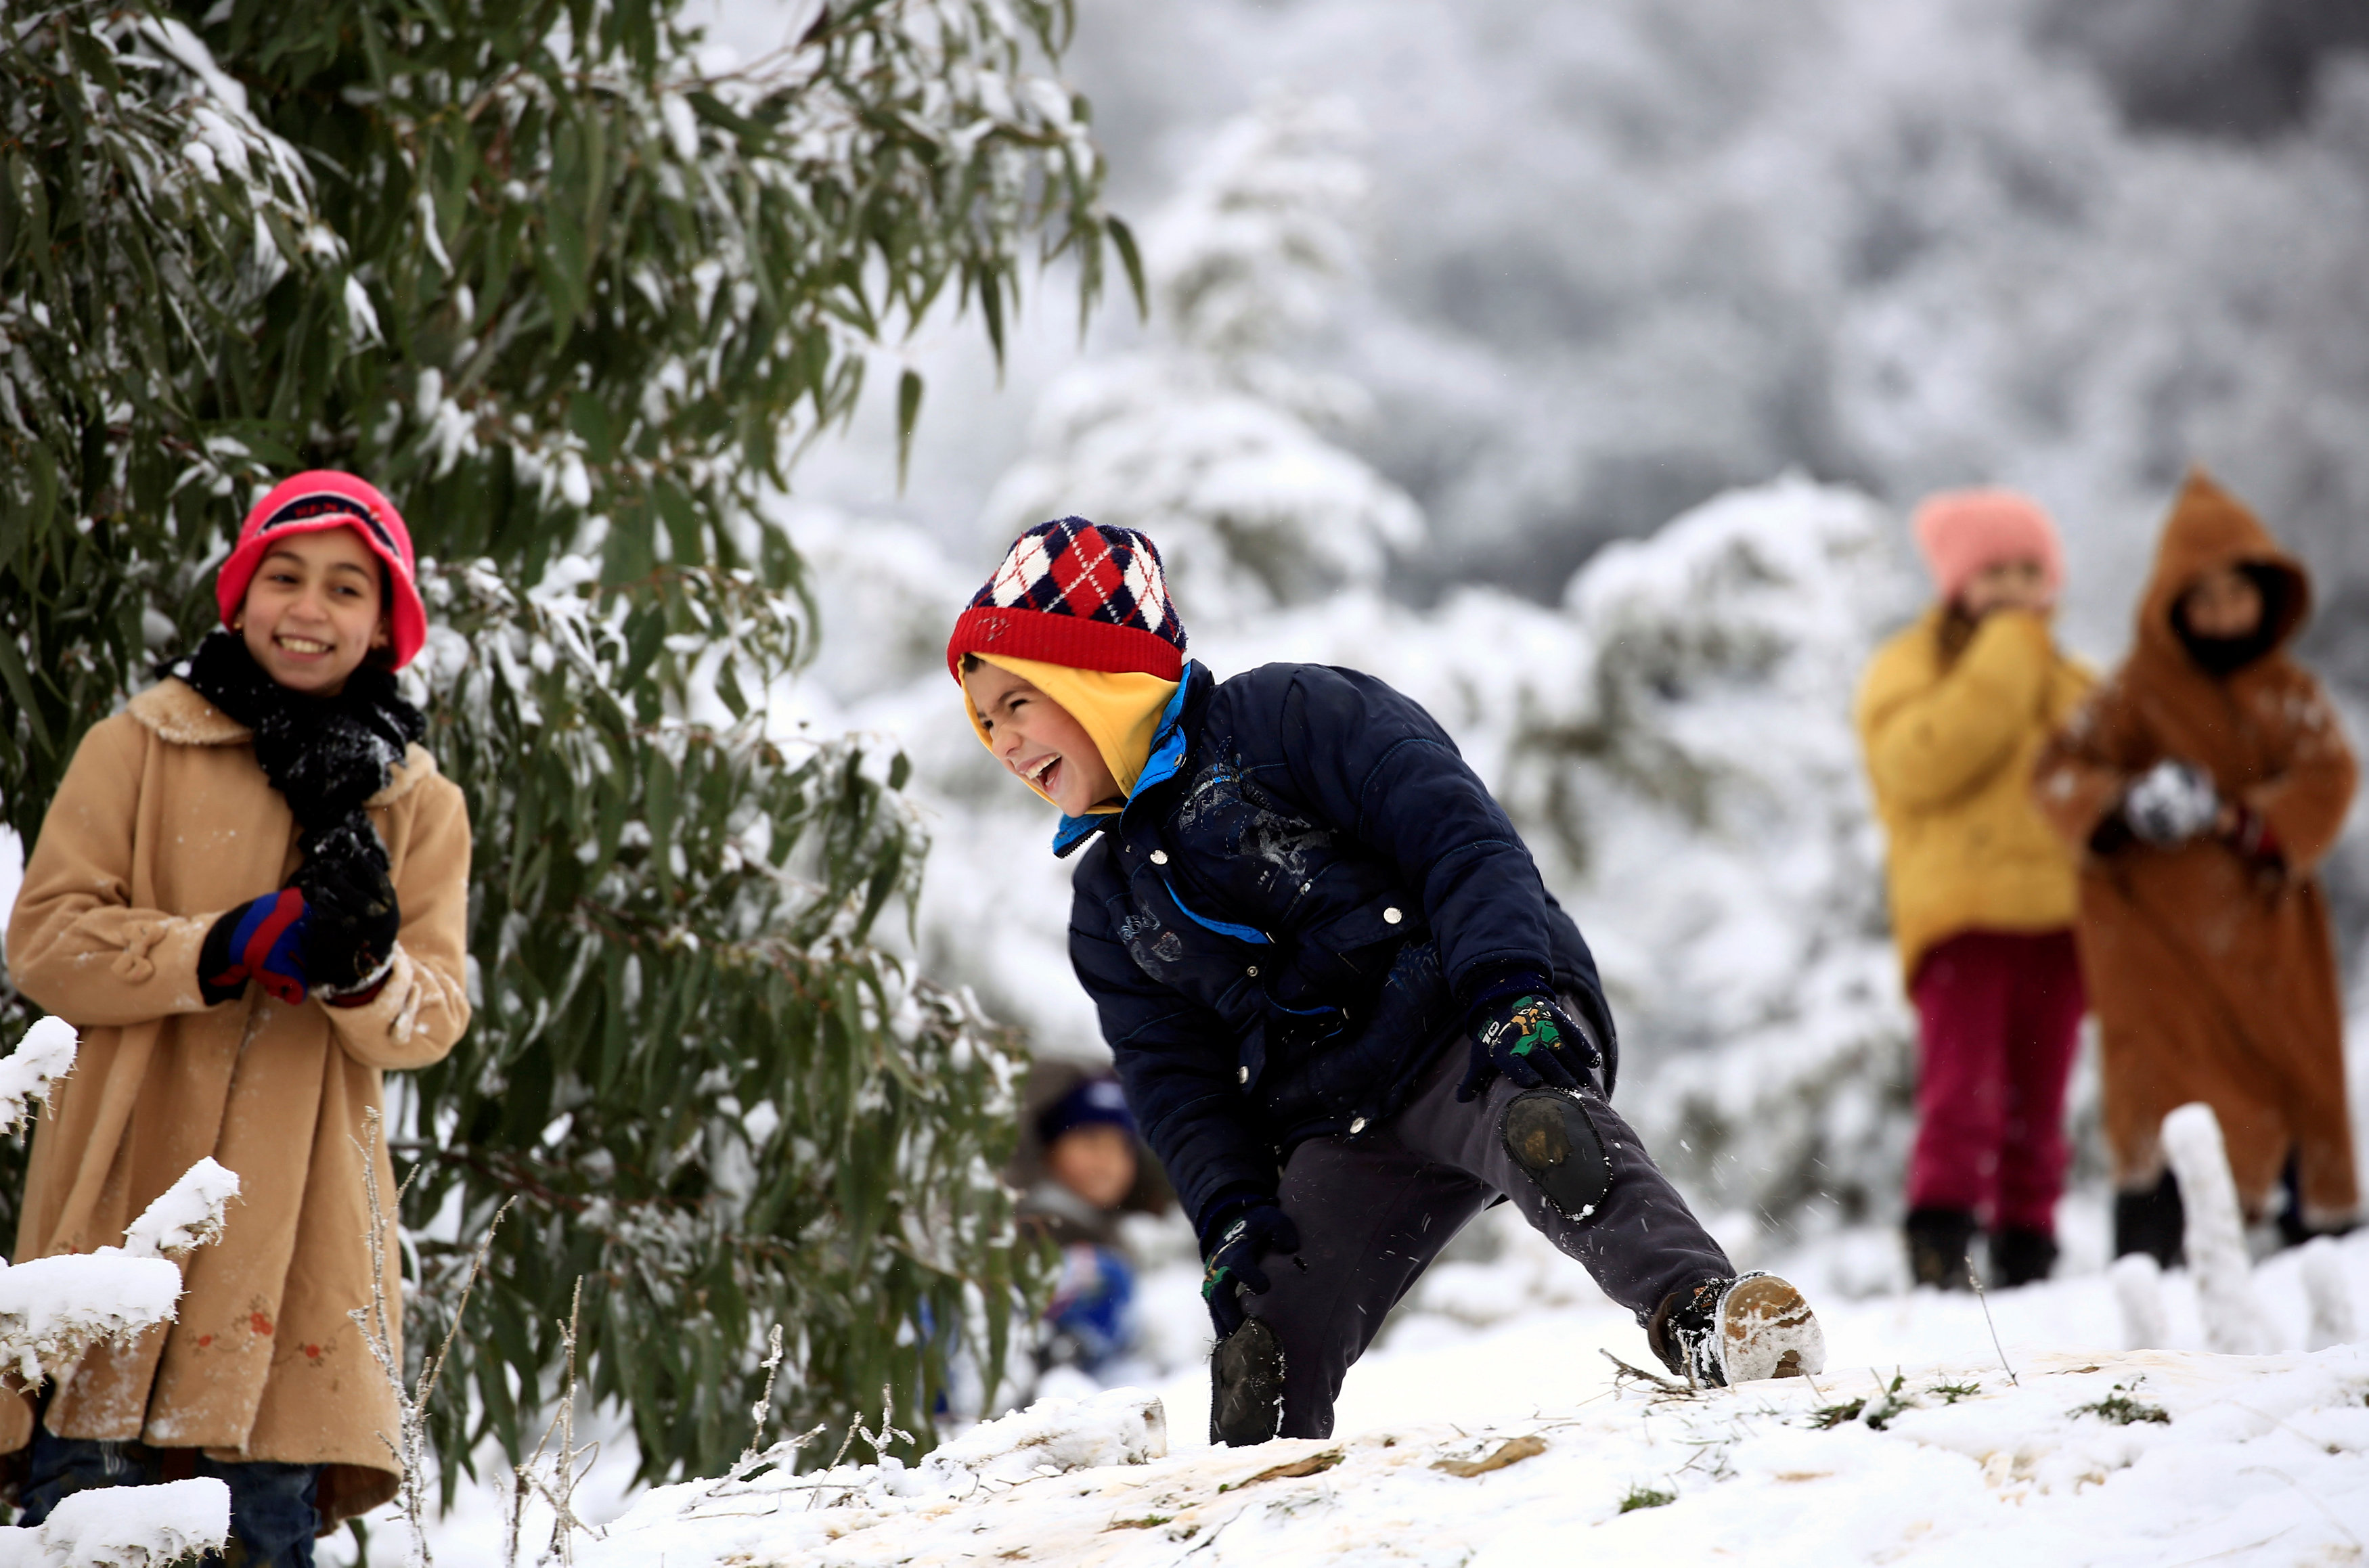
[1766,1330]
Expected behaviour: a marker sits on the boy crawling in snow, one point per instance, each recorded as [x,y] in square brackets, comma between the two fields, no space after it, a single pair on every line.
[1295,902]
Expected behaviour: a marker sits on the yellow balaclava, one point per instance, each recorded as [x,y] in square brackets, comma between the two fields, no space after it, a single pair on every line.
[1119,711]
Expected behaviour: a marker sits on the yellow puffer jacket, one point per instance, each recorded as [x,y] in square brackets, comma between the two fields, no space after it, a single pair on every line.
[1950,752]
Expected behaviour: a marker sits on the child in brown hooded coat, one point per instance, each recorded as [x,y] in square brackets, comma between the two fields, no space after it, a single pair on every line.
[2202,784]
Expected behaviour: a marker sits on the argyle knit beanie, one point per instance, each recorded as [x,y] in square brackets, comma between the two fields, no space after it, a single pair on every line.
[324,499]
[1961,532]
[1076,593]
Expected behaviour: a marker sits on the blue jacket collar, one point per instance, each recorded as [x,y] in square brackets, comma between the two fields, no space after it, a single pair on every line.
[1168,743]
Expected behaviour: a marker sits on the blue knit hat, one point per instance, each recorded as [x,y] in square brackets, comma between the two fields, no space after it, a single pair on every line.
[1097,1102]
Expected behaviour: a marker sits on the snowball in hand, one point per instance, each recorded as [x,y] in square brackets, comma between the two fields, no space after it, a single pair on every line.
[2172,802]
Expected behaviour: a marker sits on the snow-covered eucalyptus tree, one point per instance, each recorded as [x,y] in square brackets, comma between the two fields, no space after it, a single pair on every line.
[574,291]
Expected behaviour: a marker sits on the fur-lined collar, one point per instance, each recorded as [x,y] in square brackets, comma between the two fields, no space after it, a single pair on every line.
[174,712]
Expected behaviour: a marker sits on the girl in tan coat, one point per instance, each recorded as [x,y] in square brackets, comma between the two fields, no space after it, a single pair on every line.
[251,896]
[2202,785]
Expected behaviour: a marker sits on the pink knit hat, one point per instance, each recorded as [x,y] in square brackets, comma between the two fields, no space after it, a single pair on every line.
[319,499]
[1961,532]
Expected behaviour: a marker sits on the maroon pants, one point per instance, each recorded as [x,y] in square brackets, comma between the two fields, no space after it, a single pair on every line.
[1999,1013]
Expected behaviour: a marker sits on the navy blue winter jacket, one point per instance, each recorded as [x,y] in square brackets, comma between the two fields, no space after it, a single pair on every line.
[1293,915]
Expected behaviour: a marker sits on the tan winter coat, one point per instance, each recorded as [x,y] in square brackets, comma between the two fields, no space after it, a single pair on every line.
[164,821]
[2212,971]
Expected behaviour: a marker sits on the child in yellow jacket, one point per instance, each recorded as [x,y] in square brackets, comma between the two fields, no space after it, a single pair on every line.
[1953,713]
[251,896]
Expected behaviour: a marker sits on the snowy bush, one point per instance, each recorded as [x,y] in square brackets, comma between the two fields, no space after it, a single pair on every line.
[53,1308]
[575,287]
[27,1074]
[135,1527]
[1211,439]
[1629,254]
[2215,1234]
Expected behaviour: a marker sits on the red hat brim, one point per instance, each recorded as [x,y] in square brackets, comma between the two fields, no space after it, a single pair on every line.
[1067,640]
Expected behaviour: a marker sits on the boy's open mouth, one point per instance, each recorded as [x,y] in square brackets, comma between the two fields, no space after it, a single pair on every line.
[1041,774]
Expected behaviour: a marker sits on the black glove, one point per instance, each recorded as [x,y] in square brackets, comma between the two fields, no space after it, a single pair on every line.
[1527,1035]
[354,922]
[1235,1237]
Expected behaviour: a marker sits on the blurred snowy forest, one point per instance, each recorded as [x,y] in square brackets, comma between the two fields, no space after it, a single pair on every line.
[1449,302]
[1617,258]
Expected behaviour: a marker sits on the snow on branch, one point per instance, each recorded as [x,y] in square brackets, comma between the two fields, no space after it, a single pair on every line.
[126,1527]
[2215,1239]
[189,1213]
[27,1074]
[53,1308]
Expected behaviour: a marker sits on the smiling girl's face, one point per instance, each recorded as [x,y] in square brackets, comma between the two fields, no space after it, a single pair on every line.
[314,611]
[1036,738]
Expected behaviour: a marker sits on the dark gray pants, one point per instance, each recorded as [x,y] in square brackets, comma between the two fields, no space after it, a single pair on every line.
[1374,1211]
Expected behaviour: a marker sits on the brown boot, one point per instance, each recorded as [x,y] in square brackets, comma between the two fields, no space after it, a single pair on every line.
[1738,1330]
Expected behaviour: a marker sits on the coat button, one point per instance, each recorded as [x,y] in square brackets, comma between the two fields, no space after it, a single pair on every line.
[1241,1075]
[1251,971]
[1357,1127]
[1159,857]
[1391,917]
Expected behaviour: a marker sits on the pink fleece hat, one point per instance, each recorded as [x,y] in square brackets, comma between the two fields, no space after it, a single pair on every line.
[324,499]
[1961,532]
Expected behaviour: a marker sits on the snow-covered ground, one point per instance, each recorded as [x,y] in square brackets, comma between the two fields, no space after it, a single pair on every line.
[2257,1459]
[2264,1459]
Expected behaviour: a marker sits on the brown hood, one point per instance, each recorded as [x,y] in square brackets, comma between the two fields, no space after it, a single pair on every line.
[2210,529]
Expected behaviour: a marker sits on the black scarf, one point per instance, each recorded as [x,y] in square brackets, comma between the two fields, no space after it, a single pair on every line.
[2220,658]
[326,755]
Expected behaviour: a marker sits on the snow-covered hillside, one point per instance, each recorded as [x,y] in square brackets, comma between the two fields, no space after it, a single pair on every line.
[1916,1446]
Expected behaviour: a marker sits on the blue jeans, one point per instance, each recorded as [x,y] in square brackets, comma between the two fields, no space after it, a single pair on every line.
[271,1511]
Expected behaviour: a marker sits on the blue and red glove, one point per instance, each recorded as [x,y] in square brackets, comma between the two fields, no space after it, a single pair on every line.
[263,941]
[1236,1233]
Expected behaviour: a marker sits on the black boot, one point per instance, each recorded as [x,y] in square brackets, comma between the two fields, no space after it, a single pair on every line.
[1937,1247]
[2154,1222]
[2293,1231]
[2021,1257]
[1246,1385]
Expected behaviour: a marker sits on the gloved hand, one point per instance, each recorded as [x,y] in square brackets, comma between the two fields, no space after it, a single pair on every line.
[1529,1038]
[262,941]
[1235,1238]
[352,926]
[2171,802]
